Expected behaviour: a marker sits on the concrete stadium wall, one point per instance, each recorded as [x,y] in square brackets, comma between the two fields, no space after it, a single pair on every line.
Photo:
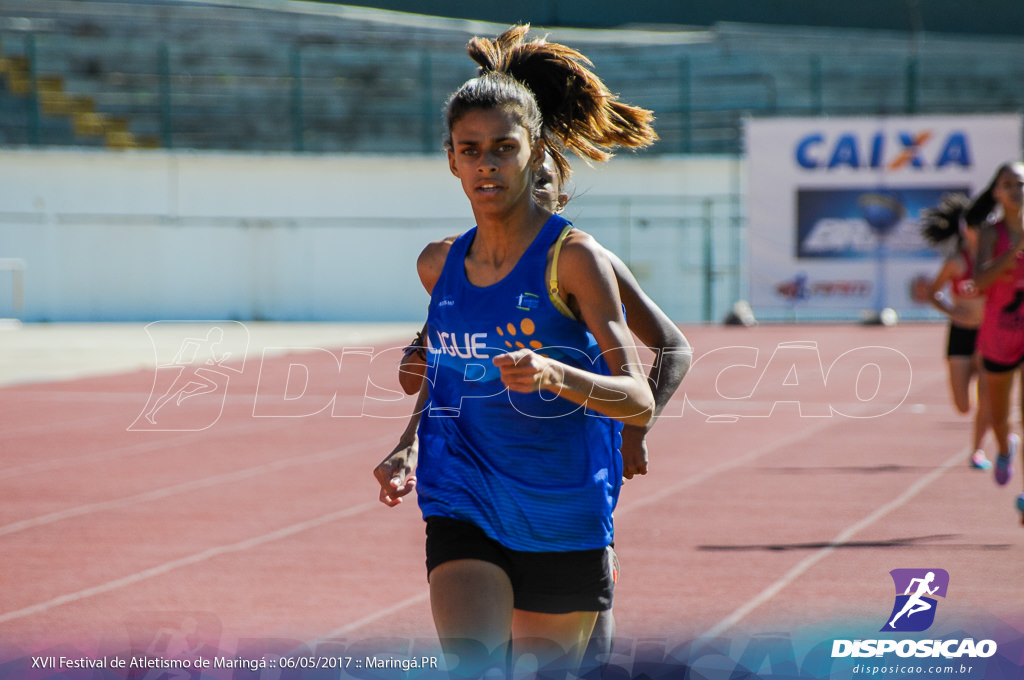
[139,236]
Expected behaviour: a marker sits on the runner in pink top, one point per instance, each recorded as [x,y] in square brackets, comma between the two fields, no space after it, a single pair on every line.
[1001,339]
[1000,275]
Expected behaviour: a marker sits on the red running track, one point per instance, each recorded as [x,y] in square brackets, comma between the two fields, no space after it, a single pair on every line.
[797,466]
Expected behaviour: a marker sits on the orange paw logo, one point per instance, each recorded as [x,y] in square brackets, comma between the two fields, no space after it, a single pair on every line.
[515,337]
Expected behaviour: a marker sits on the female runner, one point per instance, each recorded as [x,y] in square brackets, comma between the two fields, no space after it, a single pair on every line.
[965,305]
[1000,275]
[515,457]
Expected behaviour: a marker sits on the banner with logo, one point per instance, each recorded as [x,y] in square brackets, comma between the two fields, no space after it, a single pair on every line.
[834,203]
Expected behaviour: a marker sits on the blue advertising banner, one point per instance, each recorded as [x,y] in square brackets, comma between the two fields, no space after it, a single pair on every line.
[834,206]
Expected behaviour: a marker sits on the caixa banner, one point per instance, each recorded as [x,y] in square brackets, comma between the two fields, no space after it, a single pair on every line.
[833,206]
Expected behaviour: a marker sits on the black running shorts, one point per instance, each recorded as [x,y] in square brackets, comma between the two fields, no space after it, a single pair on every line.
[961,341]
[546,582]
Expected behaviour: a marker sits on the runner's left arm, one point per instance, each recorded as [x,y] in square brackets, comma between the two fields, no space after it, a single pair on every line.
[672,358]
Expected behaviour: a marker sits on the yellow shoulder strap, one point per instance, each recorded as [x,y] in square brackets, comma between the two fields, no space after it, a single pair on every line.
[556,299]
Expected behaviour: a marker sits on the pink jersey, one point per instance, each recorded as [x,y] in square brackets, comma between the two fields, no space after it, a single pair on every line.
[1001,335]
[963,283]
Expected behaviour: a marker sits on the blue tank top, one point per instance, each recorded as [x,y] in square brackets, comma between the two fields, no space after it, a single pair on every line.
[534,471]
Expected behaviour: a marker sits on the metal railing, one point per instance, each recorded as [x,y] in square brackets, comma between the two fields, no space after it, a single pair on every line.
[337,98]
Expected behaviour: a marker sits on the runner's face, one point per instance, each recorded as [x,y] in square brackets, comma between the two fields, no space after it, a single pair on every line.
[491,154]
[1009,188]
[546,190]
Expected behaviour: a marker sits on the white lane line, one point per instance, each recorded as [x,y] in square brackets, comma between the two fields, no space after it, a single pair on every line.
[708,473]
[216,430]
[837,542]
[815,426]
[50,427]
[107,396]
[135,449]
[190,560]
[376,616]
[185,487]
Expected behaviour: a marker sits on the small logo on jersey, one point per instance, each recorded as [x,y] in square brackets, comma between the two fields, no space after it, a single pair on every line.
[967,287]
[447,301]
[527,301]
[520,337]
[914,610]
